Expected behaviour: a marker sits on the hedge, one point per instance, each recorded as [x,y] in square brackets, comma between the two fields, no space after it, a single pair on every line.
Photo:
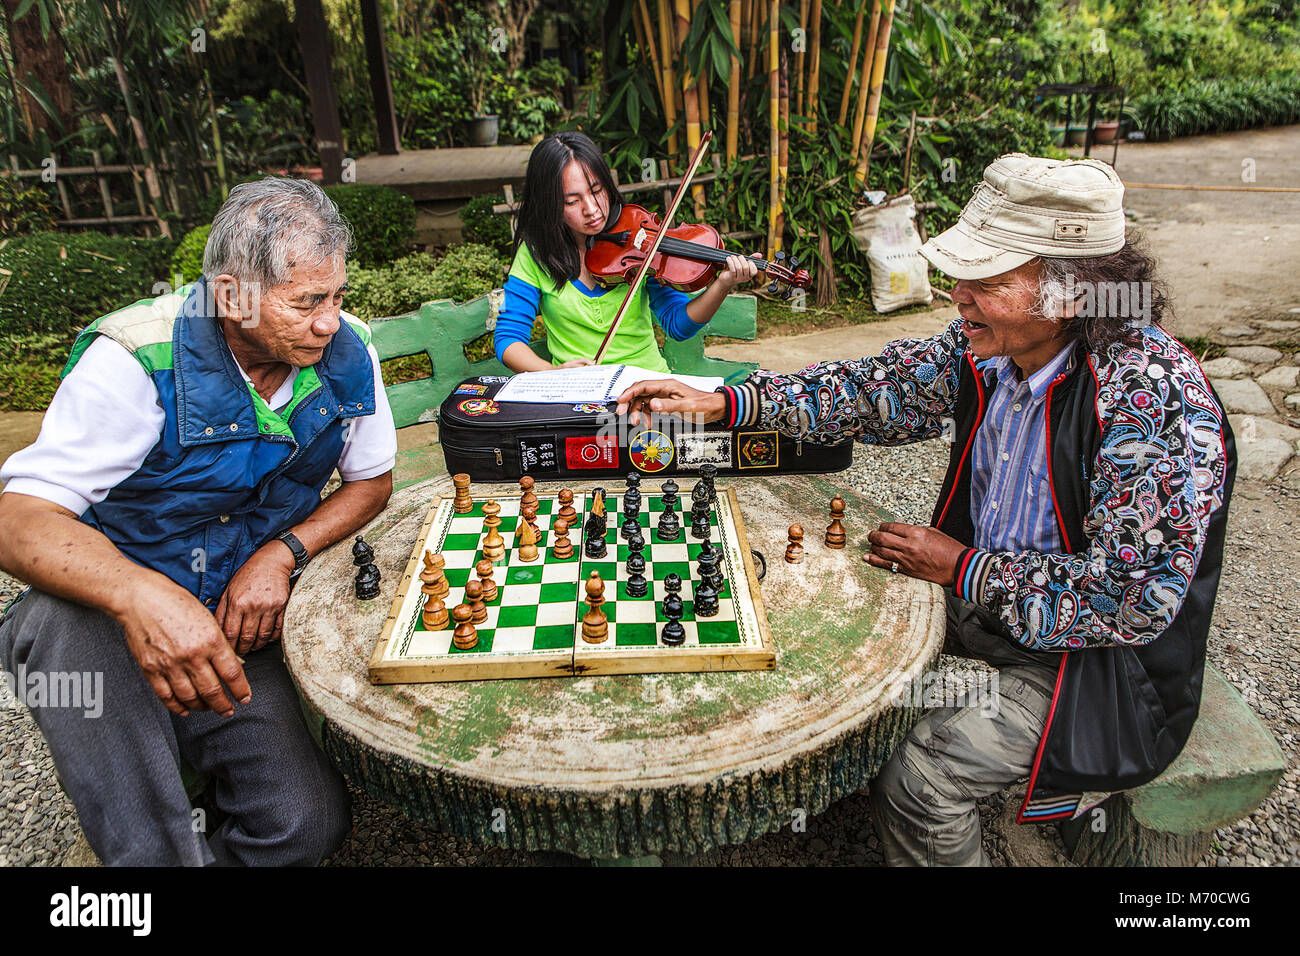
[382,219]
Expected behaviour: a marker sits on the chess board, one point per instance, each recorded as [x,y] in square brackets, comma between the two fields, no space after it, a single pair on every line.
[534,625]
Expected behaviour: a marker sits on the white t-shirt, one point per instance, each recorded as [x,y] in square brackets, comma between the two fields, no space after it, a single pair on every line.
[106,417]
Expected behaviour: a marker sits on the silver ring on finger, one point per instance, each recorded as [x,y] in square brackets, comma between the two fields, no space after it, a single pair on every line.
[894,567]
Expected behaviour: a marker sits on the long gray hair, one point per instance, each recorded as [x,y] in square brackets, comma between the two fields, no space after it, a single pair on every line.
[265,228]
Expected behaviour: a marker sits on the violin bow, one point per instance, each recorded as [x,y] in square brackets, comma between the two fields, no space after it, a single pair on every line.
[641,271]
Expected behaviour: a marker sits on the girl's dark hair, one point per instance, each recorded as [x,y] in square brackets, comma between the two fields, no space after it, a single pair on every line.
[541,216]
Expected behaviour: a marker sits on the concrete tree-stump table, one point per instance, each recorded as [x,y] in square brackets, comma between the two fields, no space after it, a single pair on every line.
[630,765]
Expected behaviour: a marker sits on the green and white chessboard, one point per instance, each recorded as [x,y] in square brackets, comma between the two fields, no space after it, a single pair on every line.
[534,625]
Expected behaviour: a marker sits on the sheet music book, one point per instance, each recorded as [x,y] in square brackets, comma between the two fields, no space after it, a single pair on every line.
[589,383]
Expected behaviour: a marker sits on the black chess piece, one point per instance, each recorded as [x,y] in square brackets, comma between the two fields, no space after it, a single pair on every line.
[636,543]
[699,492]
[593,531]
[673,634]
[700,518]
[362,553]
[708,474]
[669,525]
[637,585]
[634,482]
[673,583]
[669,489]
[710,565]
[706,600]
[367,582]
[631,526]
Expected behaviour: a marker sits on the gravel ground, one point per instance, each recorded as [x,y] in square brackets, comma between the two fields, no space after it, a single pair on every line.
[1254,651]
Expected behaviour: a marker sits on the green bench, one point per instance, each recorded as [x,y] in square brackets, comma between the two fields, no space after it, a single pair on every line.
[442,329]
[1230,764]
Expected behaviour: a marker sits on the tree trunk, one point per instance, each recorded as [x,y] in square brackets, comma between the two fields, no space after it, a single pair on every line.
[313,38]
[691,99]
[40,60]
[774,119]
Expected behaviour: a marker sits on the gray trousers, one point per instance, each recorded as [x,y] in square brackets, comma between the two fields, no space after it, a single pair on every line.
[286,804]
[923,800]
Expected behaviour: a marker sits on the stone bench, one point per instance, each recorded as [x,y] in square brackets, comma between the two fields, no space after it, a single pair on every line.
[442,329]
[1230,764]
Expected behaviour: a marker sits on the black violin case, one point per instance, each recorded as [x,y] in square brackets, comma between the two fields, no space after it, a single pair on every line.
[503,441]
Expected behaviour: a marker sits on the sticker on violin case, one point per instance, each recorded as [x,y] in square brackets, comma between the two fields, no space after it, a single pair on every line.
[758,449]
[479,406]
[696,450]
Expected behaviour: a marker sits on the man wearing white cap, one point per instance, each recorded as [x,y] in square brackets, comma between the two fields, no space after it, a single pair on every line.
[1079,530]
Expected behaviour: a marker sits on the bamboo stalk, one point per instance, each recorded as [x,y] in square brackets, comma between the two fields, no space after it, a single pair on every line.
[702,83]
[142,141]
[670,81]
[690,97]
[877,87]
[814,66]
[864,81]
[755,22]
[774,118]
[646,37]
[852,64]
[800,56]
[733,87]
[783,161]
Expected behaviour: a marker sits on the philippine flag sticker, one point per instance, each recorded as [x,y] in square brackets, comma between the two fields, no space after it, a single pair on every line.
[650,451]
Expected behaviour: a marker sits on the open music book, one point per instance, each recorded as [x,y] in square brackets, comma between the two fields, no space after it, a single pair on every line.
[589,383]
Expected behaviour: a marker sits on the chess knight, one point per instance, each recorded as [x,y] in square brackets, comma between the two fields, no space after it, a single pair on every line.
[161,517]
[1093,586]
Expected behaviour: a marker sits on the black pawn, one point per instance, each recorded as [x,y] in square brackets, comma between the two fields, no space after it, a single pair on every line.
[631,526]
[367,582]
[706,600]
[637,586]
[700,519]
[673,583]
[673,633]
[669,490]
[669,525]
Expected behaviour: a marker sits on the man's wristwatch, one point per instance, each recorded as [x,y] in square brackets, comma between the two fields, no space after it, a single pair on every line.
[300,556]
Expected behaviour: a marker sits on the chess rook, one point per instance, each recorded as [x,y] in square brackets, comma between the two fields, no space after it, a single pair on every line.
[462,503]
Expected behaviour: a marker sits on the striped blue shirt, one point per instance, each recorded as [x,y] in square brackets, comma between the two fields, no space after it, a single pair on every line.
[1011,500]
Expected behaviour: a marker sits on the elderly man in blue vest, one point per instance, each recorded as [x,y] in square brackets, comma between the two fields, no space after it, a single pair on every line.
[1079,529]
[161,518]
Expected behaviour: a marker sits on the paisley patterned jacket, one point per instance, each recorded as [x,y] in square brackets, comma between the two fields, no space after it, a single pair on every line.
[1141,467]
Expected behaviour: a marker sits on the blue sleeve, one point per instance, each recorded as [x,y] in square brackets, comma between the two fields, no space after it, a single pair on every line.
[515,323]
[669,307]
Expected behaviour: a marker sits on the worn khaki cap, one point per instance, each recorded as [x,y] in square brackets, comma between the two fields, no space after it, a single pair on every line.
[1027,206]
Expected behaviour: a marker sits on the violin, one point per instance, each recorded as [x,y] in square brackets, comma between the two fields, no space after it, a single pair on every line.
[687,257]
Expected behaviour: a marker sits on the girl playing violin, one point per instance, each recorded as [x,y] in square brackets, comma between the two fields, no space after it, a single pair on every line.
[568,197]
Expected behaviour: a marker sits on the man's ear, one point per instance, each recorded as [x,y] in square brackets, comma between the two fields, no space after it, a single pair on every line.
[225,293]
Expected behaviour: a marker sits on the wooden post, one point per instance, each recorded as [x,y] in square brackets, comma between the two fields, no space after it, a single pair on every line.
[877,87]
[381,88]
[814,66]
[733,87]
[774,119]
[105,196]
[864,82]
[852,63]
[313,39]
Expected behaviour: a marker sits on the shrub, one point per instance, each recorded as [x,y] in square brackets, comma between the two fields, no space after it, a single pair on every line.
[64,281]
[24,209]
[463,273]
[187,260]
[383,221]
[481,225]
[1218,107]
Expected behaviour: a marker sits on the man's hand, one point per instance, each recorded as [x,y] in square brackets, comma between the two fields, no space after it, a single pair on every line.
[181,650]
[925,553]
[670,397]
[251,610]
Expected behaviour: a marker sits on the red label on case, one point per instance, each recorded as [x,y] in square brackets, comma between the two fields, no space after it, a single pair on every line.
[600,451]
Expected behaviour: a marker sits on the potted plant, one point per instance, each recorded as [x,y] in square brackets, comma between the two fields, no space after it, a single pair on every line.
[481,75]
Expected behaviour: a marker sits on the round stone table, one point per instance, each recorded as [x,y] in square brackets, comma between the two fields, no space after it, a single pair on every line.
[630,765]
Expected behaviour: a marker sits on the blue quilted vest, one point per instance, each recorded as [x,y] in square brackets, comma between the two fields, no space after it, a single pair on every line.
[228,474]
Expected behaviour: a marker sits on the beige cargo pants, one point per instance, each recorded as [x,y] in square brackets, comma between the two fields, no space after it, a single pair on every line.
[923,800]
